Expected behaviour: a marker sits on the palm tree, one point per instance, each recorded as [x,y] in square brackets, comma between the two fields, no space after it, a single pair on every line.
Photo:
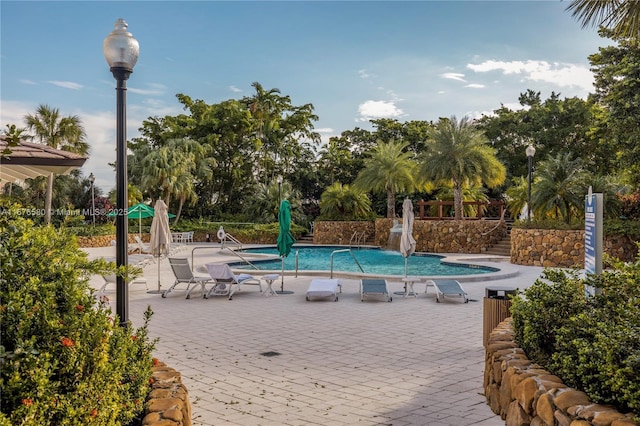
[517,195]
[186,190]
[65,133]
[459,154]
[559,187]
[344,202]
[622,17]
[389,169]
[265,203]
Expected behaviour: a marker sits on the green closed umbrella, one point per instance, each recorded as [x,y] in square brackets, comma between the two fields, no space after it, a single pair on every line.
[285,239]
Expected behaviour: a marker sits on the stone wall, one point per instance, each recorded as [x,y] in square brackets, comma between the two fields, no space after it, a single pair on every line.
[523,393]
[341,232]
[562,248]
[168,403]
[444,236]
[105,240]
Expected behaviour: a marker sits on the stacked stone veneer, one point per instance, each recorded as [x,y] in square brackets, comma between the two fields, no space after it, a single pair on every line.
[168,402]
[341,232]
[105,240]
[446,236]
[523,393]
[562,248]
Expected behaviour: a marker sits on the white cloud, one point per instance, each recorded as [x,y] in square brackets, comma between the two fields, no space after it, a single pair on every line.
[560,74]
[24,81]
[475,86]
[66,84]
[235,89]
[153,89]
[370,110]
[453,76]
[324,130]
[363,73]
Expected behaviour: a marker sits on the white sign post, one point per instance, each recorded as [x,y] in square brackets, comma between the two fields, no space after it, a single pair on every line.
[593,237]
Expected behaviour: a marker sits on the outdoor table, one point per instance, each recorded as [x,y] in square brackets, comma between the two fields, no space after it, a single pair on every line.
[269,279]
[408,286]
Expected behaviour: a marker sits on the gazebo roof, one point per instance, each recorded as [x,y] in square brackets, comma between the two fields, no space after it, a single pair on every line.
[29,160]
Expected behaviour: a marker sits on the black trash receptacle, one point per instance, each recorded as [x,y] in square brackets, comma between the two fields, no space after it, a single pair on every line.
[496,307]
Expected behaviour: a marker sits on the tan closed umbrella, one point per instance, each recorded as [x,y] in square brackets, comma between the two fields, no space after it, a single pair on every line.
[160,235]
[407,242]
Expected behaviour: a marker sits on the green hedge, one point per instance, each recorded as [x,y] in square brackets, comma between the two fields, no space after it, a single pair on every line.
[64,360]
[592,343]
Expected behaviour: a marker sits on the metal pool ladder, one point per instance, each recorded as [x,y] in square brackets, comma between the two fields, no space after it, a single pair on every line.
[342,251]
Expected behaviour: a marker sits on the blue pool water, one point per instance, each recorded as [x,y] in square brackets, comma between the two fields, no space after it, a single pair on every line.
[372,260]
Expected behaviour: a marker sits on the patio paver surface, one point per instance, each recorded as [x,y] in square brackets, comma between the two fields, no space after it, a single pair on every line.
[409,362]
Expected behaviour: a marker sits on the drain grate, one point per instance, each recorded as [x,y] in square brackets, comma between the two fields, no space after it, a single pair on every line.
[270,353]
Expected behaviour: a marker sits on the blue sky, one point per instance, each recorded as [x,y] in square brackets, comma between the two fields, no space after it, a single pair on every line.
[353,60]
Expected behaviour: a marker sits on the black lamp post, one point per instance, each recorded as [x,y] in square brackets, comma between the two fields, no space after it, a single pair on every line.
[531,151]
[92,179]
[121,51]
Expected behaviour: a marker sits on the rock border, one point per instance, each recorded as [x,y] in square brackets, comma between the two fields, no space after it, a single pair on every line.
[168,402]
[523,393]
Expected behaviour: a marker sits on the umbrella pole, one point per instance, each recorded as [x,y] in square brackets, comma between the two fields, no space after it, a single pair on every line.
[406,265]
[282,276]
[158,273]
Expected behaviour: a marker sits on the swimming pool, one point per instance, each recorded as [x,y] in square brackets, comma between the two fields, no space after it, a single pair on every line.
[372,260]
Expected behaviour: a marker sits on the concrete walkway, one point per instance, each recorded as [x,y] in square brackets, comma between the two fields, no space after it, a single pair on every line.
[409,362]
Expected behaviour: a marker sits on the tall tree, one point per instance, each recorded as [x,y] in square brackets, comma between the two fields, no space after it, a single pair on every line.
[617,81]
[389,169]
[65,133]
[559,188]
[621,17]
[460,154]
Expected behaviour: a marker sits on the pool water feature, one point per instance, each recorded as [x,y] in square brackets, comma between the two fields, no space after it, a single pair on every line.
[372,260]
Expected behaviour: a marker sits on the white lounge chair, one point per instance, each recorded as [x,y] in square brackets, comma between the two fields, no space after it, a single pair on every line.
[322,288]
[184,275]
[142,247]
[111,279]
[228,283]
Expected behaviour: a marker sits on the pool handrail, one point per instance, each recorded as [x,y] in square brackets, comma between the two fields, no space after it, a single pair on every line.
[223,248]
[231,238]
[360,238]
[342,251]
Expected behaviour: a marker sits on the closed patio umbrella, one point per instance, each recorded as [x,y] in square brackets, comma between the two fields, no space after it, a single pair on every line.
[285,239]
[160,235]
[407,242]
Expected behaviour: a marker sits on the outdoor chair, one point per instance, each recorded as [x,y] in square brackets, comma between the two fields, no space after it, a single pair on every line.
[184,275]
[144,248]
[111,279]
[228,283]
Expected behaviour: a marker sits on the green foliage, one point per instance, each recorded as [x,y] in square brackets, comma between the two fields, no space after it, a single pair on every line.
[547,304]
[630,205]
[549,223]
[459,154]
[344,202]
[64,360]
[592,343]
[617,82]
[629,228]
[389,169]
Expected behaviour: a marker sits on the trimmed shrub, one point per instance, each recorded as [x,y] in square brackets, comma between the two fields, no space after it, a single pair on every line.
[64,360]
[592,343]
